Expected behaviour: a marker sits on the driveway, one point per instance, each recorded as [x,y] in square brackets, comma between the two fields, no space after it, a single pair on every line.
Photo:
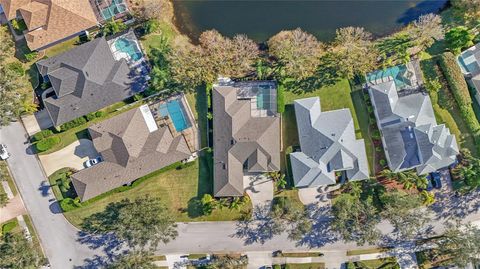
[73,155]
[38,121]
[13,209]
[260,190]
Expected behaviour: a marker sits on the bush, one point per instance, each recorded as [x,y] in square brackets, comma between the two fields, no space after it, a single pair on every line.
[47,143]
[72,124]
[99,114]
[277,266]
[90,116]
[150,26]
[280,99]
[137,97]
[19,26]
[382,162]
[17,68]
[459,88]
[69,204]
[42,134]
[31,56]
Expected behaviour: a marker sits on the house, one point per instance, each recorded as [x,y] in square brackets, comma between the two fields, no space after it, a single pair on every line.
[106,10]
[131,145]
[51,21]
[246,133]
[469,62]
[328,145]
[92,76]
[410,134]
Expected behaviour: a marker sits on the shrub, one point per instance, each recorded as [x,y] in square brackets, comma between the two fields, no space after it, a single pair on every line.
[19,26]
[382,162]
[17,68]
[45,85]
[277,266]
[69,204]
[459,88]
[72,124]
[31,56]
[42,134]
[47,143]
[99,114]
[280,99]
[458,38]
[137,97]
[150,26]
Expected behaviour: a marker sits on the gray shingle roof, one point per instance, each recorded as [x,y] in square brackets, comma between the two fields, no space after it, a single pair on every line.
[410,134]
[328,144]
[129,151]
[85,79]
[240,139]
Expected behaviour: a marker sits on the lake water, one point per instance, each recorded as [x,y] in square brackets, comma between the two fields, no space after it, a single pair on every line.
[262,19]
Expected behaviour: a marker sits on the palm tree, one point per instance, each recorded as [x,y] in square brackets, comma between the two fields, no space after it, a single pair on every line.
[427,197]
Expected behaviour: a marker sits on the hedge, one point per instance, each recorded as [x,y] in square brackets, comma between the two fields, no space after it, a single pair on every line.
[72,124]
[280,99]
[47,143]
[42,134]
[459,88]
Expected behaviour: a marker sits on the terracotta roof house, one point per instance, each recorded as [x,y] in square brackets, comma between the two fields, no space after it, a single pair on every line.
[51,21]
[246,133]
[410,134]
[469,62]
[131,145]
[90,77]
[328,145]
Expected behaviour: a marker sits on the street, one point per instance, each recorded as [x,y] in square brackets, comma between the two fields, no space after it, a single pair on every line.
[67,248]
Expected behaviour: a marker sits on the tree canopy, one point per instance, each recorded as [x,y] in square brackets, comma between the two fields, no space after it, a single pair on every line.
[134,259]
[461,244]
[16,252]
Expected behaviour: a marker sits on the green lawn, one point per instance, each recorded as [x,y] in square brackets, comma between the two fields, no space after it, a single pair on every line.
[179,189]
[331,98]
[374,264]
[10,226]
[365,251]
[317,265]
[33,233]
[4,172]
[192,102]
[301,254]
[62,47]
[446,109]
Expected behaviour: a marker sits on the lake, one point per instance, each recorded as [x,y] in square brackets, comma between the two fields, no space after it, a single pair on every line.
[262,19]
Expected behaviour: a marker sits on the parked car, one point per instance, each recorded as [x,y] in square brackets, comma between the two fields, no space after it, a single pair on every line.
[3,152]
[93,162]
[436,180]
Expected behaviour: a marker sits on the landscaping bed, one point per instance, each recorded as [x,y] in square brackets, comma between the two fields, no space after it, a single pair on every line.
[385,263]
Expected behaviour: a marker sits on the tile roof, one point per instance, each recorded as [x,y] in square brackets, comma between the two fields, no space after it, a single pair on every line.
[86,79]
[328,144]
[129,151]
[49,21]
[410,134]
[241,141]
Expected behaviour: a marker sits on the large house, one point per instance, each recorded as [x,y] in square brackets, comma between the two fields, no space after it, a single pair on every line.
[92,76]
[469,62]
[51,21]
[246,133]
[410,134]
[131,145]
[328,145]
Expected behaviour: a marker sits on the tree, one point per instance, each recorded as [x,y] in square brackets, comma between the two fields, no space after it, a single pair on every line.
[461,244]
[459,38]
[409,178]
[161,74]
[468,9]
[405,213]
[149,9]
[16,252]
[143,222]
[428,198]
[186,62]
[3,199]
[468,171]
[134,259]
[355,51]
[425,30]
[297,53]
[112,27]
[286,213]
[355,219]
[227,262]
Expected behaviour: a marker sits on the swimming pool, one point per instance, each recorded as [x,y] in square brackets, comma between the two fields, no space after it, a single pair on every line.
[115,8]
[130,47]
[174,109]
[263,98]
[396,72]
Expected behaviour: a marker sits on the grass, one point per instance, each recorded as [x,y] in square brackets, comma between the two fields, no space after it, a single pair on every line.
[365,251]
[4,172]
[374,264]
[179,189]
[33,233]
[333,97]
[446,109]
[69,136]
[196,256]
[192,102]
[52,179]
[159,258]
[316,265]
[301,254]
[62,47]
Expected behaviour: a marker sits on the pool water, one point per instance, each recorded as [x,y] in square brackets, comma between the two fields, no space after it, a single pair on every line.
[396,72]
[174,110]
[129,47]
[115,8]
[263,98]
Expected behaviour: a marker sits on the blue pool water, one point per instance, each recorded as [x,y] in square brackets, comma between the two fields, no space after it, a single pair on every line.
[263,98]
[396,72]
[174,109]
[115,8]
[129,47]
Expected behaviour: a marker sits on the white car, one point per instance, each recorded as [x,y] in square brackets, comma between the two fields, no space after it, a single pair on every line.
[3,152]
[93,162]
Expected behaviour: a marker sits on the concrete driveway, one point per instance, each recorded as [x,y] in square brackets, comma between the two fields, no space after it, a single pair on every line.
[40,120]
[260,190]
[316,196]
[13,209]
[73,155]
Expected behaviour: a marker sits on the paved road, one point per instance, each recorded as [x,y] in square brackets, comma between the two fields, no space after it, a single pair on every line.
[65,248]
[57,235]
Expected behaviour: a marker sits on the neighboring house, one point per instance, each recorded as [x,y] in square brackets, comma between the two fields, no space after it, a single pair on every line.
[131,145]
[328,145]
[92,76]
[106,10]
[409,131]
[469,62]
[51,21]
[246,133]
